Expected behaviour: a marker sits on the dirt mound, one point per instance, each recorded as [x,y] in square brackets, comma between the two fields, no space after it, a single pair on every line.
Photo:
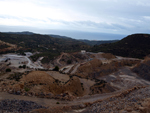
[80,57]
[95,68]
[101,87]
[74,86]
[38,77]
[88,68]
[67,59]
[41,81]
[37,81]
[41,84]
[108,56]
[70,58]
[143,69]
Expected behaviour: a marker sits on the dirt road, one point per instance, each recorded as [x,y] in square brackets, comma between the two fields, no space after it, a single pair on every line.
[52,102]
[19,58]
[75,69]
[57,60]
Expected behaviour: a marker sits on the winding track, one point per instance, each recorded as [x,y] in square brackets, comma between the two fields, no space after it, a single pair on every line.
[30,64]
[52,102]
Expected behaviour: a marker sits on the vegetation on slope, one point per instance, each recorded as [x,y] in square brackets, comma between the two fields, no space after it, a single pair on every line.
[136,46]
[48,46]
[42,43]
[89,42]
[3,46]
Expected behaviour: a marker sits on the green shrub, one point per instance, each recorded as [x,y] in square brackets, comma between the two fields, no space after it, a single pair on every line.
[57,102]
[56,68]
[24,66]
[20,66]
[26,89]
[15,76]
[69,61]
[83,89]
[8,70]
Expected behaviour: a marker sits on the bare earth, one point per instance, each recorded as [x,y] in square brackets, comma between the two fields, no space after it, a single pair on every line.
[59,76]
[122,80]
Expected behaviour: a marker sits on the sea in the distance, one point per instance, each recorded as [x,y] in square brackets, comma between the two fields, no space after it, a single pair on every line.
[87,35]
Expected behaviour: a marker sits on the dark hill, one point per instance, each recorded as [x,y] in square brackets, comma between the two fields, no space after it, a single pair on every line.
[35,42]
[89,42]
[136,45]
[48,46]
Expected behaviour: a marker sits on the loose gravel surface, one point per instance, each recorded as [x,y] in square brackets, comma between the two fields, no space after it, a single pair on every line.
[122,104]
[18,106]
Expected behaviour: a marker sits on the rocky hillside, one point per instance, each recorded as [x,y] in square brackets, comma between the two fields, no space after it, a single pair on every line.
[143,69]
[41,84]
[95,68]
[132,101]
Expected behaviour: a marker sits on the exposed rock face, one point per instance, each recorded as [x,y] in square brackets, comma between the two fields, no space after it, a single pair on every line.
[101,88]
[134,100]
[18,106]
[143,69]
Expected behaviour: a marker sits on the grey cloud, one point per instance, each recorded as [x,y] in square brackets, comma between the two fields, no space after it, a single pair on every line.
[129,25]
[91,24]
[121,15]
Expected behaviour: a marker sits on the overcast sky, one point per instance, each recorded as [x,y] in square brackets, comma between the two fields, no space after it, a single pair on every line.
[105,16]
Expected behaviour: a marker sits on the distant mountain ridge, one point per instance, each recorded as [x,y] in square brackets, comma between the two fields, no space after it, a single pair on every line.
[33,41]
[21,33]
[58,36]
[135,45]
[47,46]
[89,42]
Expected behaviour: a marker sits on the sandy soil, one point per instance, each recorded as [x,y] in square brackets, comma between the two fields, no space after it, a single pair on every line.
[59,76]
[75,69]
[124,79]
[87,84]
[68,68]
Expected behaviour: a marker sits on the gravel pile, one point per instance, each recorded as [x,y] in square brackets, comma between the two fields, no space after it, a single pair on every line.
[18,106]
[122,104]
